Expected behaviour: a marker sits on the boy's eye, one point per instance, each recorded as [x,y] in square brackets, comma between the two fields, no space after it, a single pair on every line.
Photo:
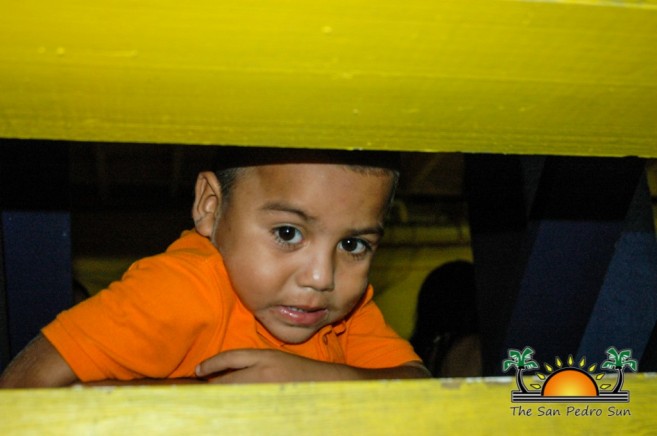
[288,234]
[354,245]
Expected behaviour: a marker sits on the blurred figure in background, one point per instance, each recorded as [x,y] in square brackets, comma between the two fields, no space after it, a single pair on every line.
[446,334]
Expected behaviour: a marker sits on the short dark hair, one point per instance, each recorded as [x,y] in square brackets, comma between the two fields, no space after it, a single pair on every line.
[232,160]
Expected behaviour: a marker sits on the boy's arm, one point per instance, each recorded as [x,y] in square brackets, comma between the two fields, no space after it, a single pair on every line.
[38,365]
[255,366]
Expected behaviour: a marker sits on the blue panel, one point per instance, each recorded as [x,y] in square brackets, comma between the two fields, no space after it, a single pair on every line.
[37,254]
[4,326]
[627,305]
[569,267]
[561,284]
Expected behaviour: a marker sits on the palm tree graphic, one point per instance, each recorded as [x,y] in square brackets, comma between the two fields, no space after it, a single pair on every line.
[521,360]
[618,361]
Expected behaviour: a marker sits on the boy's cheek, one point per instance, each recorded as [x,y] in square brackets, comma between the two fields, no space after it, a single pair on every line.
[355,299]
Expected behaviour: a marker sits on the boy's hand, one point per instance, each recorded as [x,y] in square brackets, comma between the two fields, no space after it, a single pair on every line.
[258,366]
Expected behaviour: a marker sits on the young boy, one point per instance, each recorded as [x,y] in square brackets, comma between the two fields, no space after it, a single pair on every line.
[270,286]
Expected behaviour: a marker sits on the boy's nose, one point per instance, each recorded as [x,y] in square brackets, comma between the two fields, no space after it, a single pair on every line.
[318,272]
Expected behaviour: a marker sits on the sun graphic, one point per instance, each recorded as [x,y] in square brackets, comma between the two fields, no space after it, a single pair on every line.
[571,380]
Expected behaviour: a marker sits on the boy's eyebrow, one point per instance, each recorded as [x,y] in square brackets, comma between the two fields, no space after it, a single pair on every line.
[376,230]
[283,207]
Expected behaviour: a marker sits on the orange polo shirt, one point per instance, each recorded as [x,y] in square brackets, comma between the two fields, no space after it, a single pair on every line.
[172,311]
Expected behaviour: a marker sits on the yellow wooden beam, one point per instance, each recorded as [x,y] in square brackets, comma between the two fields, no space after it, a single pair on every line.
[423,407]
[559,77]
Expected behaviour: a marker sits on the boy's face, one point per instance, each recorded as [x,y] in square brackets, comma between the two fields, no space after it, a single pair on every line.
[297,241]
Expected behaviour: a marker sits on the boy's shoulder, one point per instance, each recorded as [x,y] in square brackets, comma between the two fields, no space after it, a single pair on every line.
[190,254]
[191,269]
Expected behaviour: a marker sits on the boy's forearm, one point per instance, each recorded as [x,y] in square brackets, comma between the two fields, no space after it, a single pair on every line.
[257,366]
[38,365]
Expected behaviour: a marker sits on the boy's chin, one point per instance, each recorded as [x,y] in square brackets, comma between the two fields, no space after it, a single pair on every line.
[292,335]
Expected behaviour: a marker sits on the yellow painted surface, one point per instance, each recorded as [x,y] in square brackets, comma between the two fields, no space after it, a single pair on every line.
[425,407]
[559,77]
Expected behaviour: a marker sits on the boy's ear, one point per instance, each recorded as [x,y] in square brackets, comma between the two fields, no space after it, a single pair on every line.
[207,202]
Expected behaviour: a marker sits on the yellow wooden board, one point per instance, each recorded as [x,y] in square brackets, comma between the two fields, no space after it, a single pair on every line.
[558,77]
[422,407]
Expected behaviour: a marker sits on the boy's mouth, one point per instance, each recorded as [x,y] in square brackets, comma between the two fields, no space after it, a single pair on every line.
[301,309]
[302,316]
